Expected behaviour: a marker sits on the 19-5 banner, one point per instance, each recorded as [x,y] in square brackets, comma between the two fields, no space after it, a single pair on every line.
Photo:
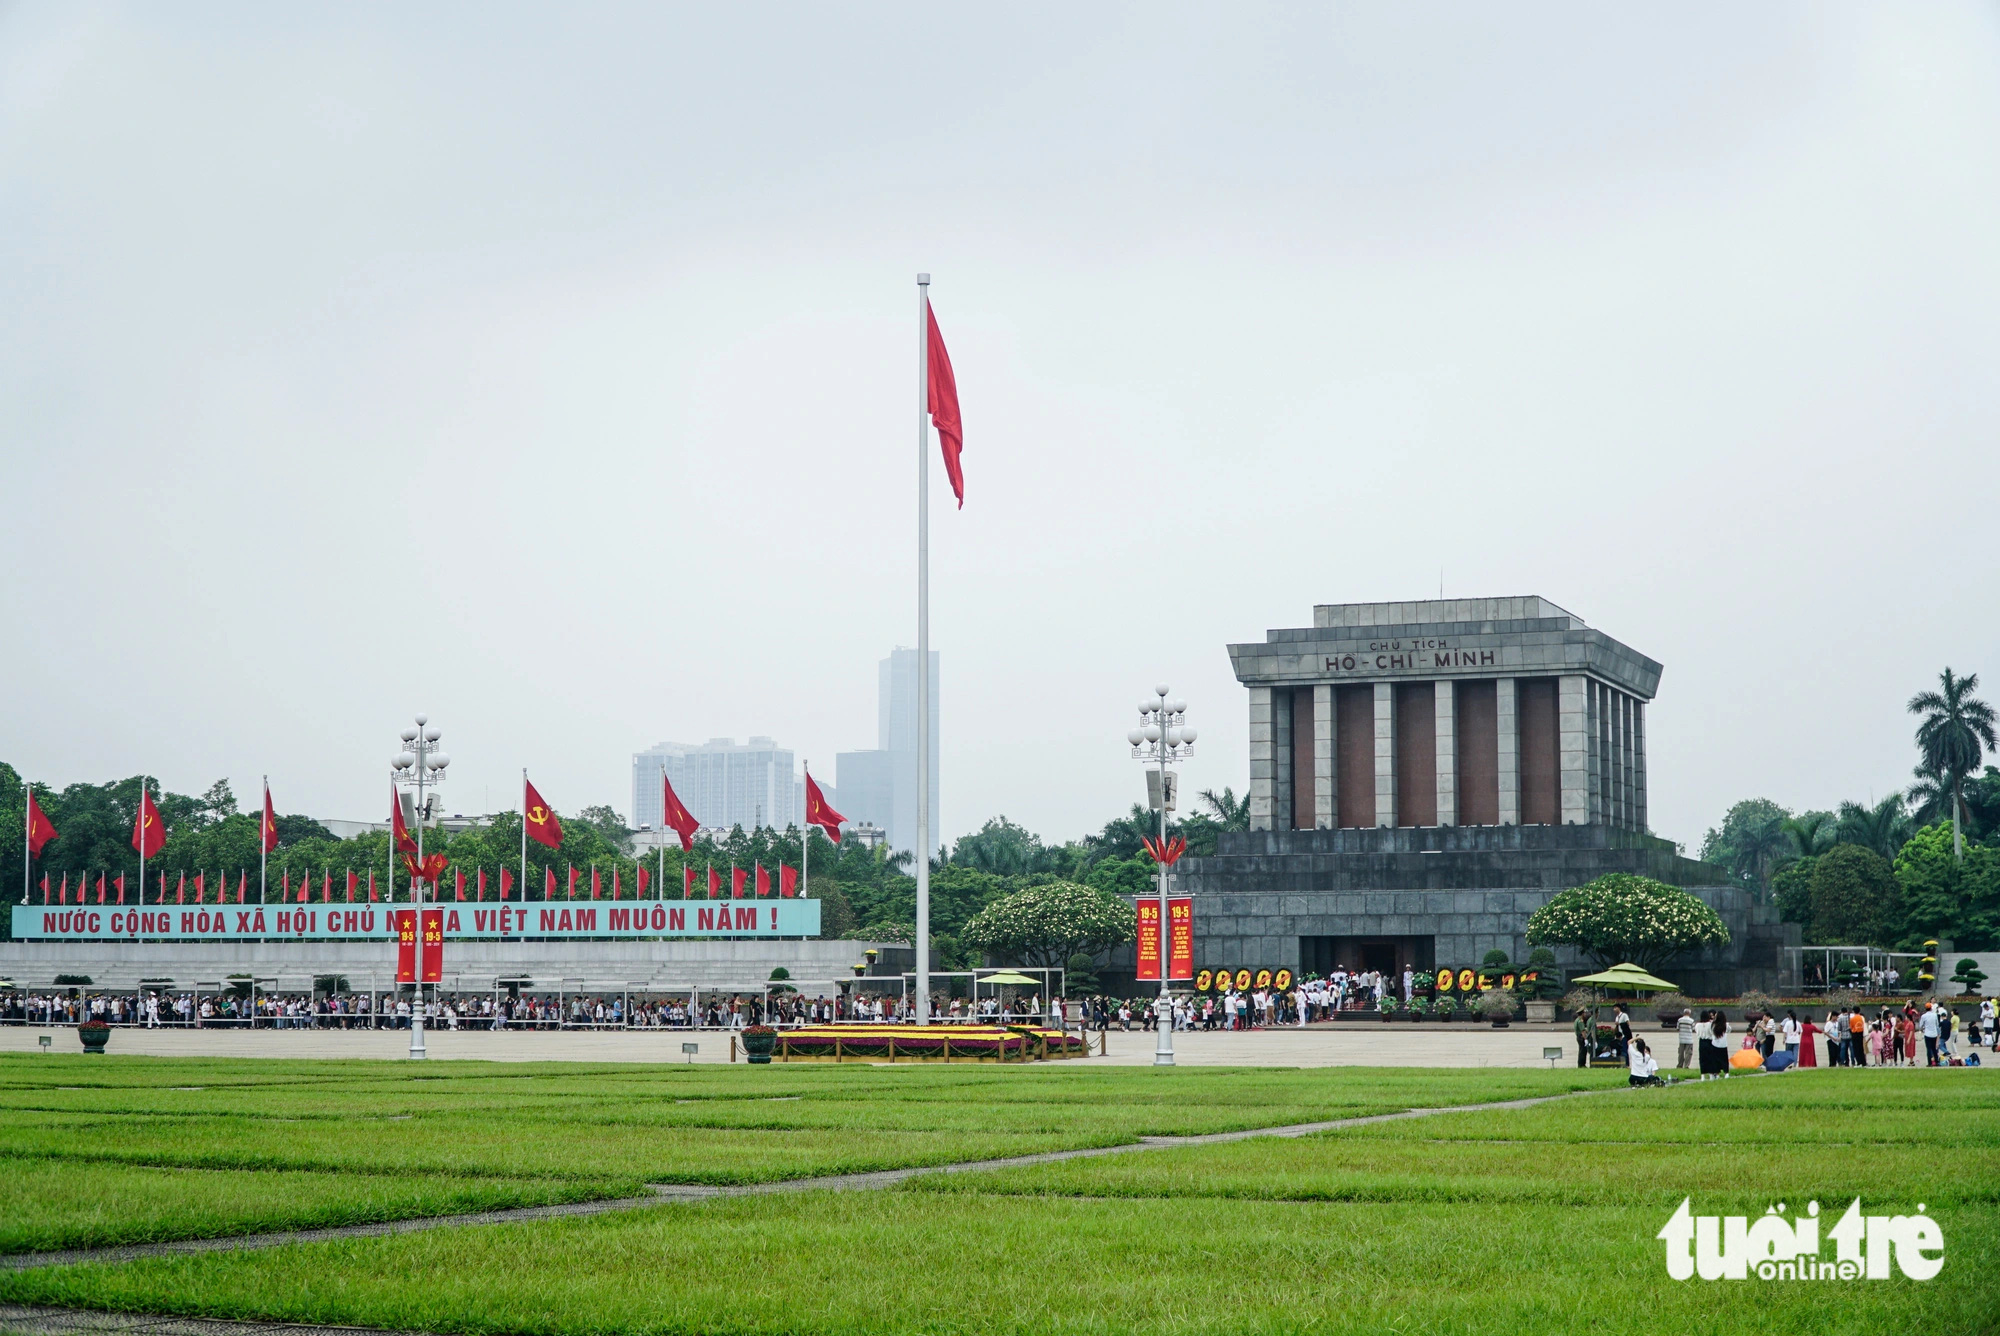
[535,919]
[1180,941]
[406,946]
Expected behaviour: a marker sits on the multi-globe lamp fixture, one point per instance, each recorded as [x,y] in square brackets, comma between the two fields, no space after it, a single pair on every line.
[1163,738]
[422,763]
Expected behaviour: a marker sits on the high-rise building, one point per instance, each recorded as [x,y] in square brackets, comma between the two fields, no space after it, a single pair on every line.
[722,782]
[880,786]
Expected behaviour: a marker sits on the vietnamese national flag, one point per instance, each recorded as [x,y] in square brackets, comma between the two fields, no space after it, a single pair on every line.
[818,813]
[596,883]
[405,843]
[644,878]
[763,880]
[714,882]
[543,827]
[944,403]
[506,882]
[788,880]
[676,816]
[270,832]
[40,831]
[149,836]
[461,882]
[736,875]
[100,891]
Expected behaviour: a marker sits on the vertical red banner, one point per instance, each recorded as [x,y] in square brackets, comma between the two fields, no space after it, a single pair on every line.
[1149,941]
[1180,938]
[406,946]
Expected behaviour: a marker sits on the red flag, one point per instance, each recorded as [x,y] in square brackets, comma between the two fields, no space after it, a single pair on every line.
[100,890]
[371,886]
[45,886]
[121,890]
[461,882]
[242,886]
[543,828]
[944,405]
[676,816]
[596,883]
[714,882]
[687,881]
[549,883]
[351,886]
[149,836]
[405,843]
[270,822]
[201,889]
[617,881]
[40,832]
[763,880]
[305,885]
[179,897]
[736,875]
[819,814]
[62,892]
[479,891]
[644,878]
[506,882]
[572,882]
[788,880]
[326,885]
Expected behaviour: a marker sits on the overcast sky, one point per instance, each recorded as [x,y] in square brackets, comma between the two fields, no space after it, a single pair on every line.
[552,370]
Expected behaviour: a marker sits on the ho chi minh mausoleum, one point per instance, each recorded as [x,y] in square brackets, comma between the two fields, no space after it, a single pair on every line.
[1424,776]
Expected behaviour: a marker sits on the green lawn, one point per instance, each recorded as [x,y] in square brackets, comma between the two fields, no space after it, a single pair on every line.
[1540,1219]
[140,1149]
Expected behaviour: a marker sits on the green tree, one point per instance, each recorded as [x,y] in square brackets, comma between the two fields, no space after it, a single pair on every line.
[1750,843]
[1811,833]
[1955,731]
[1006,850]
[1943,895]
[609,824]
[1791,891]
[1855,901]
[1124,876]
[1045,925]
[1621,917]
[1231,812]
[1882,827]
[1968,976]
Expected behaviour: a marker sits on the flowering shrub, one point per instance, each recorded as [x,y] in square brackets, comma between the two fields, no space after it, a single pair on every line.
[1621,917]
[1047,924]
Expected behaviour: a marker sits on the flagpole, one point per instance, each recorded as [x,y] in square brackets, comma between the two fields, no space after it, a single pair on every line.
[27,835]
[142,839]
[923,650]
[263,848]
[805,854]
[524,832]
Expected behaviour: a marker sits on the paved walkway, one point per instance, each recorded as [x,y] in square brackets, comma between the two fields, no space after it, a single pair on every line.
[1347,1044]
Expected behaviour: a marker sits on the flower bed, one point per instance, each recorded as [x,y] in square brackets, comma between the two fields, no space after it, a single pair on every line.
[893,1043]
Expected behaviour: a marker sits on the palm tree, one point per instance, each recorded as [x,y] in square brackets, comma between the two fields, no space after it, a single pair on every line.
[1957,729]
[1756,846]
[1882,828]
[1231,812]
[1811,834]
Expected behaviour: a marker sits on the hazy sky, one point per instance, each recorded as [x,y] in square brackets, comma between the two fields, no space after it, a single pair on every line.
[551,369]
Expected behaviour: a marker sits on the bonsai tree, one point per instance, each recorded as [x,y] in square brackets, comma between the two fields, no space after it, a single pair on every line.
[1497,1004]
[1621,917]
[1968,975]
[1667,1007]
[1045,925]
[1547,983]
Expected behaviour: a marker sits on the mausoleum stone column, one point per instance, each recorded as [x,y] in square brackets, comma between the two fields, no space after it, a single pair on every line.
[1447,754]
[1574,746]
[1385,754]
[1261,795]
[1510,752]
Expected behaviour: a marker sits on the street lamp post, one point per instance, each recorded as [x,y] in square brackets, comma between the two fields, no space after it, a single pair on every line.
[420,762]
[1163,738]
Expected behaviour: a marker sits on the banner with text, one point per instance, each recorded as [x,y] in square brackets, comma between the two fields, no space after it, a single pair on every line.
[536,918]
[406,946]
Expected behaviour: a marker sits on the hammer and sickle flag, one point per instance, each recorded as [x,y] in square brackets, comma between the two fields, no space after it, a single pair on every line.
[820,813]
[543,828]
[40,829]
[149,836]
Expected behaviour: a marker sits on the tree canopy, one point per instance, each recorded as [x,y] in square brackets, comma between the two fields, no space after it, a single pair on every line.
[1046,925]
[1620,917]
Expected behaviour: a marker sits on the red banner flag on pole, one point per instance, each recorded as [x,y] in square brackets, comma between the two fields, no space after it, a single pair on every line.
[818,813]
[687,881]
[944,407]
[543,828]
[121,889]
[644,878]
[506,882]
[270,830]
[596,883]
[788,880]
[45,886]
[40,831]
[326,885]
[305,886]
[149,836]
[242,885]
[549,882]
[461,882]
[763,880]
[676,816]
[373,895]
[351,886]
[572,882]
[479,889]
[100,891]
[201,889]
[735,882]
[405,842]
[714,882]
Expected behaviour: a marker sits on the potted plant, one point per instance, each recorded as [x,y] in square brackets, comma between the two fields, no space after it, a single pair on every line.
[758,1041]
[1497,1005]
[1443,1006]
[93,1032]
[1387,1006]
[1667,1008]
[1418,1008]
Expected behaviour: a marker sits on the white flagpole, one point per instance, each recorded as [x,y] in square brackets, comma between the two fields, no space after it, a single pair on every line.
[264,846]
[27,834]
[524,832]
[142,840]
[923,650]
[805,853]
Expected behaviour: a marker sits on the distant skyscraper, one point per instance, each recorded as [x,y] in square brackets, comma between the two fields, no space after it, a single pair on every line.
[880,786]
[722,782]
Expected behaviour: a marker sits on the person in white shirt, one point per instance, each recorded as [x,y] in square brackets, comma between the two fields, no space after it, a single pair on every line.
[1789,1033]
[1639,1059]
